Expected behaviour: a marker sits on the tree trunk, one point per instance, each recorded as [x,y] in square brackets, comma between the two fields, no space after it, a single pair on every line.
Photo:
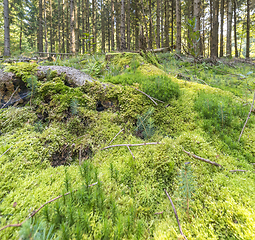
[112,25]
[197,14]
[6,29]
[158,23]
[235,35]
[136,27]
[122,26]
[215,24]
[178,26]
[103,26]
[94,14]
[221,27]
[77,26]
[67,28]
[63,27]
[150,25]
[40,34]
[45,27]
[117,7]
[59,36]
[229,29]
[172,23]
[88,27]
[162,23]
[128,26]
[248,31]
[51,37]
[72,24]
[20,36]
[167,23]
[83,25]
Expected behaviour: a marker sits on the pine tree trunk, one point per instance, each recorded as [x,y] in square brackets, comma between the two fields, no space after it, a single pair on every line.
[51,37]
[128,25]
[197,14]
[94,25]
[172,23]
[136,27]
[150,26]
[77,26]
[63,28]
[167,23]
[83,25]
[158,23]
[67,28]
[235,35]
[215,24]
[45,28]
[117,7]
[122,26]
[221,27]
[229,29]
[72,24]
[103,26]
[20,36]
[88,27]
[40,33]
[178,26]
[59,35]
[248,31]
[162,24]
[112,26]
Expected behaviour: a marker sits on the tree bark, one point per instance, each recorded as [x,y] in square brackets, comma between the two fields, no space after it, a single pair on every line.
[72,23]
[94,14]
[197,14]
[178,26]
[215,24]
[83,25]
[172,23]
[235,35]
[103,26]
[51,37]
[229,29]
[118,20]
[87,26]
[136,27]
[248,31]
[221,26]
[122,26]
[128,26]
[112,25]
[150,25]
[7,51]
[40,33]
[167,23]
[45,27]
[158,23]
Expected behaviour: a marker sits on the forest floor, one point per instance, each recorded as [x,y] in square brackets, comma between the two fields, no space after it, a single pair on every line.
[109,151]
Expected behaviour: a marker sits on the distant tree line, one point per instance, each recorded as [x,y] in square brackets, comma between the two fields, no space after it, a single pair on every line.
[89,26]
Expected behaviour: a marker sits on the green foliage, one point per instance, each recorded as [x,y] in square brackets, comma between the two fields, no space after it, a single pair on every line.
[145,124]
[74,106]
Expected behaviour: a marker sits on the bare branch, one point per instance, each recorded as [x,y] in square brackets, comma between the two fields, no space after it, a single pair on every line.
[238,170]
[116,135]
[10,98]
[37,210]
[132,145]
[157,213]
[247,118]
[178,222]
[131,152]
[145,95]
[6,151]
[202,159]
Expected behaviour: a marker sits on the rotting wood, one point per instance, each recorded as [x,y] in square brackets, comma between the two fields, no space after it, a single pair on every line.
[131,145]
[176,215]
[10,97]
[37,210]
[247,118]
[202,159]
[145,95]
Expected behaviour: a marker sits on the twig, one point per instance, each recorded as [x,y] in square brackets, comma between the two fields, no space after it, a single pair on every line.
[202,159]
[157,213]
[6,151]
[116,135]
[36,211]
[157,100]
[10,97]
[131,145]
[145,95]
[80,155]
[178,222]
[131,152]
[238,170]
[247,118]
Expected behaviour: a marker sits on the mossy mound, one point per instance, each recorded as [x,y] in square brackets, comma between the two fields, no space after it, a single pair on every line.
[64,126]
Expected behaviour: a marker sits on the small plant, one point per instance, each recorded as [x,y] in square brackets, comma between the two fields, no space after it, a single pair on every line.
[32,85]
[145,124]
[186,187]
[74,106]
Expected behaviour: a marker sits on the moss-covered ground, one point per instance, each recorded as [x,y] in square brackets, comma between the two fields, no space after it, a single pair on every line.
[64,127]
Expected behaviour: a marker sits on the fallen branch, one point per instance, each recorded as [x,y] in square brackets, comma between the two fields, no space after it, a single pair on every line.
[145,95]
[238,170]
[116,135]
[157,100]
[131,152]
[202,159]
[131,145]
[178,222]
[247,118]
[10,98]
[6,151]
[157,213]
[37,210]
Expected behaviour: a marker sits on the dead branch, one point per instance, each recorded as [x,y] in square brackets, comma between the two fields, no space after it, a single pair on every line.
[178,222]
[178,56]
[10,97]
[145,95]
[131,145]
[247,118]
[6,151]
[157,213]
[157,100]
[116,135]
[131,152]
[37,210]
[238,170]
[202,159]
